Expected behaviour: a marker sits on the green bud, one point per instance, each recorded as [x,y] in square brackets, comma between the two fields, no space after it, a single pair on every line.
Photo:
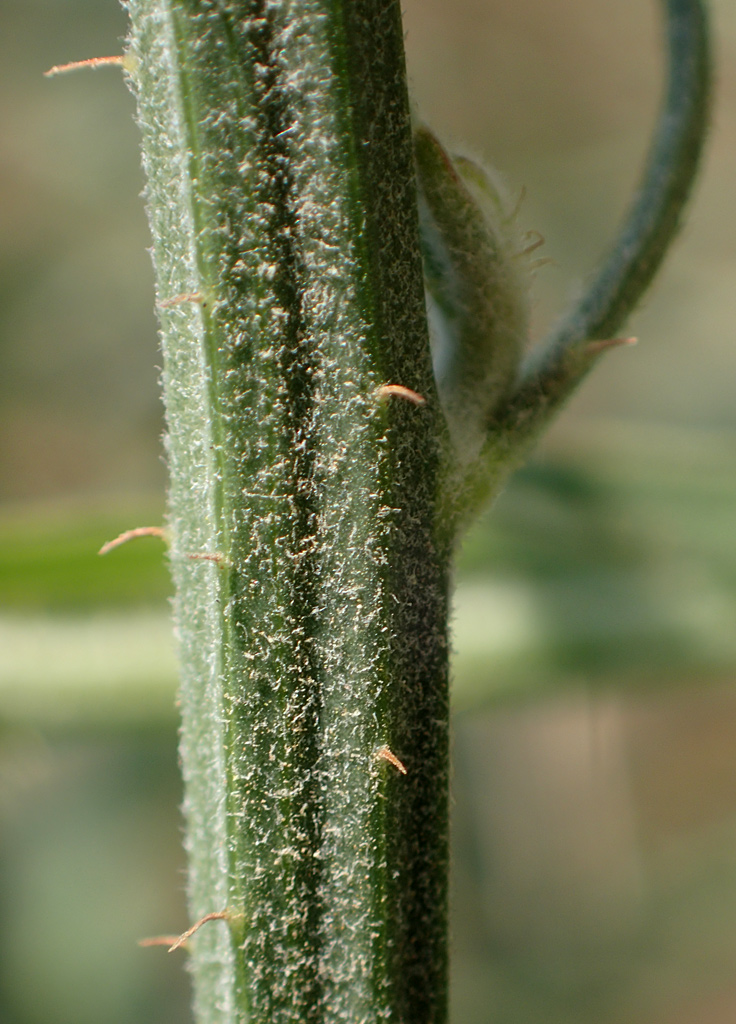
[477,285]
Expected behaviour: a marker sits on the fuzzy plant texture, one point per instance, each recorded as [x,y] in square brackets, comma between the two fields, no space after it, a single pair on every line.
[324,456]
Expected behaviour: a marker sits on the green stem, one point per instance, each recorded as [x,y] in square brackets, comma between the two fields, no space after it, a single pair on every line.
[656,212]
[552,371]
[312,635]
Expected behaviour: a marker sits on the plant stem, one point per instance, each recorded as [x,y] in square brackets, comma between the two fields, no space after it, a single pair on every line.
[312,634]
[551,371]
[656,212]
[315,496]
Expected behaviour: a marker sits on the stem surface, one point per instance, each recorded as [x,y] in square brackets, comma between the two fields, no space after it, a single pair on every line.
[312,626]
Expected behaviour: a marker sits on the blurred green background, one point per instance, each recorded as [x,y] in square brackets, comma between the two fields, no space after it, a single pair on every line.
[594,806]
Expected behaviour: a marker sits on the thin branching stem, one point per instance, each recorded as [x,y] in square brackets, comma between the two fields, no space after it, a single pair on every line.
[552,371]
[654,217]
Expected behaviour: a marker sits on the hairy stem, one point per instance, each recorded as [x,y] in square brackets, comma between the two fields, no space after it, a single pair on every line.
[312,626]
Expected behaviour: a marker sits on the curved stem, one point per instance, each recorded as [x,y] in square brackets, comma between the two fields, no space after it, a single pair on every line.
[552,371]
